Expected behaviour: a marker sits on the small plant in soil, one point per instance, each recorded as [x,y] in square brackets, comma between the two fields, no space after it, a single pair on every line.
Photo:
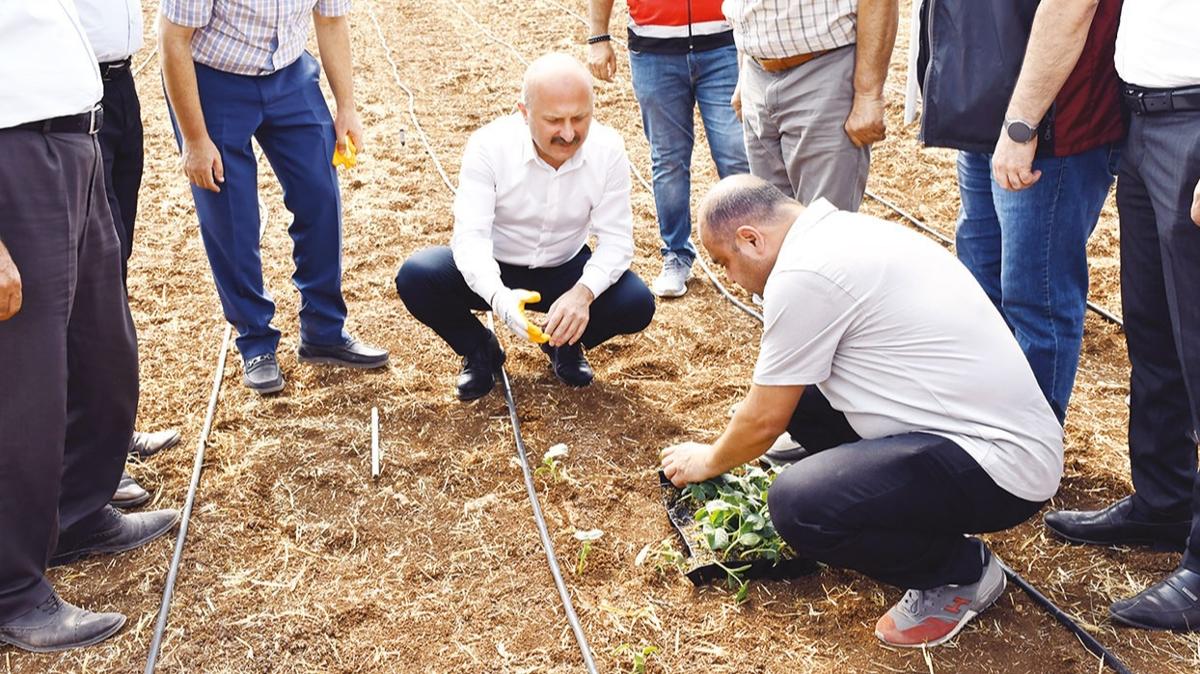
[551,464]
[663,557]
[637,657]
[586,538]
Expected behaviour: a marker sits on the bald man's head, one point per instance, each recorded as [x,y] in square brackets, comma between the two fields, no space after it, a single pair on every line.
[556,100]
[743,222]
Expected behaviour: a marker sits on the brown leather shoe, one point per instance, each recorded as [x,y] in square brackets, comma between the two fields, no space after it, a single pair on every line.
[129,493]
[55,625]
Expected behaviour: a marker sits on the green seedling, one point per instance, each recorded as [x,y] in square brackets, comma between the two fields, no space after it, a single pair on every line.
[637,658]
[586,538]
[733,521]
[664,557]
[551,464]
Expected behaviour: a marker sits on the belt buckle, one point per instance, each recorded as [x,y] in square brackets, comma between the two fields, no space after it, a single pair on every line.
[92,128]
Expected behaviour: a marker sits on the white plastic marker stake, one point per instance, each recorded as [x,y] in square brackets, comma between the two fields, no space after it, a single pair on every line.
[374,442]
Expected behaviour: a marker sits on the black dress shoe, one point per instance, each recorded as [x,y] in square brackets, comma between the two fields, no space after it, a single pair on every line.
[1115,525]
[148,444]
[261,374]
[569,365]
[55,625]
[351,354]
[116,533]
[129,493]
[478,375]
[1172,604]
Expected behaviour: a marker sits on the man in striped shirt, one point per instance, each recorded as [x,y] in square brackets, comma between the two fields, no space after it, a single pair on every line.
[811,91]
[236,70]
[681,54]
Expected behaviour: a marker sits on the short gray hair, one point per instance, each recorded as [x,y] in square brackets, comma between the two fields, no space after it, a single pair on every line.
[737,201]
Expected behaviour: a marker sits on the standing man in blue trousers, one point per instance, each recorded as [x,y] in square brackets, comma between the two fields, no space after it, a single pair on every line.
[234,71]
[681,54]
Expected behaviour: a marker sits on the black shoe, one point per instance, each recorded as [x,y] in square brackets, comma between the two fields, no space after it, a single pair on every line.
[1114,525]
[261,374]
[55,625]
[784,452]
[118,533]
[1172,604]
[351,354]
[478,375]
[148,444]
[129,493]
[569,364]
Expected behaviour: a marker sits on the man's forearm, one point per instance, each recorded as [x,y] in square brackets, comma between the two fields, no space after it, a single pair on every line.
[179,79]
[333,41]
[877,22]
[1060,29]
[759,420]
[600,13]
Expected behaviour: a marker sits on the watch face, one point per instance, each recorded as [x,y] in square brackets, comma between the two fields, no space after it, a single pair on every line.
[1020,132]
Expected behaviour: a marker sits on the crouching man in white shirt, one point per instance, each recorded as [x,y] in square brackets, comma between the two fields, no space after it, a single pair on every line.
[533,187]
[884,358]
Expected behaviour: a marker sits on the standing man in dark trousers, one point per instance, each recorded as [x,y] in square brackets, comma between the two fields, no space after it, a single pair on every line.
[1158,199]
[68,352]
[681,56]
[236,71]
[114,29]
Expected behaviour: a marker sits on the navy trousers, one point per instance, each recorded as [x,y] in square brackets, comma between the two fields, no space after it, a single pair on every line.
[895,508]
[286,112]
[435,293]
[1160,300]
[68,358]
[121,145]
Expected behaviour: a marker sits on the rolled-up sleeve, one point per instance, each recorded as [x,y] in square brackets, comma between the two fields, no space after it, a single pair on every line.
[188,13]
[333,7]
[612,223]
[474,215]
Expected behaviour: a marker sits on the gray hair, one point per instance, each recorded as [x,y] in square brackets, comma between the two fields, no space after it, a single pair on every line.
[740,200]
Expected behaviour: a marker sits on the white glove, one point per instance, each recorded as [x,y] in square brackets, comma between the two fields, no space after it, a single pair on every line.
[509,306]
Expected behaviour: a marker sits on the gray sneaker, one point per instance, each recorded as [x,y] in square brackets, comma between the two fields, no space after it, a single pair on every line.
[261,374]
[932,617]
[672,281]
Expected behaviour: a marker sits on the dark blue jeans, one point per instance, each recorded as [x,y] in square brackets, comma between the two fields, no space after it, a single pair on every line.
[1028,250]
[287,113]
[668,88]
[436,294]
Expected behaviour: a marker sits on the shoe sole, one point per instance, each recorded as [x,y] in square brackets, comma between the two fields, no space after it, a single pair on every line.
[329,360]
[967,616]
[1155,628]
[1153,545]
[669,295]
[56,649]
[267,389]
[99,550]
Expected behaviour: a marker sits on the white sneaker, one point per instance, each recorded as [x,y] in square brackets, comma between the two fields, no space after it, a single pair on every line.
[672,282]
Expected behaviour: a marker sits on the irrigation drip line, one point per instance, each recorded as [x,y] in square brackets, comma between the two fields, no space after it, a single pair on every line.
[197,468]
[547,544]
[141,66]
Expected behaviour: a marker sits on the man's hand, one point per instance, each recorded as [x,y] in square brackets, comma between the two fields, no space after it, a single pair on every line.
[1196,204]
[10,286]
[602,61]
[509,306]
[346,123]
[202,164]
[568,316]
[735,101]
[687,462]
[1012,163]
[865,124]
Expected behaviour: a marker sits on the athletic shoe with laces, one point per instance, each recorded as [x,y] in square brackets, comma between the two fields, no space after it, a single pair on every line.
[672,281]
[932,617]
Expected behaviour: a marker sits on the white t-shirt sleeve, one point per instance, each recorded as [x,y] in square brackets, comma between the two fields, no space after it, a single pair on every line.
[801,335]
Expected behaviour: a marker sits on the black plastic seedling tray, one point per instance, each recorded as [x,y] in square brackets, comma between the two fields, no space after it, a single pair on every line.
[701,567]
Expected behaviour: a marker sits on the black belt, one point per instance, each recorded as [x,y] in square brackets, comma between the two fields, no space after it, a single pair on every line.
[87,122]
[1144,101]
[111,69]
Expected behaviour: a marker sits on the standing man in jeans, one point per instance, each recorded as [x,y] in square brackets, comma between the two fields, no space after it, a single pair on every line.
[1036,128]
[810,93]
[681,54]
[237,70]
[1158,199]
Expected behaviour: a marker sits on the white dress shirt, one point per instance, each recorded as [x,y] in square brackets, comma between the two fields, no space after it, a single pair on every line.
[113,26]
[47,67]
[1157,44]
[513,207]
[782,28]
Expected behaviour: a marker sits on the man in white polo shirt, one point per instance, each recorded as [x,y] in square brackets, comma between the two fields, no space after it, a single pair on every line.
[888,363]
[533,187]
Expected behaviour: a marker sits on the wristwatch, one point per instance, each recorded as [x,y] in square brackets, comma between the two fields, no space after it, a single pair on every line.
[1020,131]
